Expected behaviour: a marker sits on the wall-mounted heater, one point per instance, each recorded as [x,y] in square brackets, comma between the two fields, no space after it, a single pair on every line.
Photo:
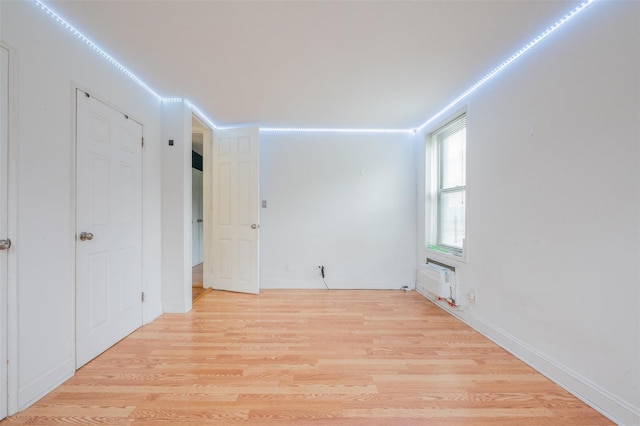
[438,279]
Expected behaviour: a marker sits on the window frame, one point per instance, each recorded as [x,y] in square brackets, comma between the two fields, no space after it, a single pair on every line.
[435,190]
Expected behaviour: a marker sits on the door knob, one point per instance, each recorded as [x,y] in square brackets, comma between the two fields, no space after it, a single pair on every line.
[86,236]
[199,220]
[254,226]
[5,244]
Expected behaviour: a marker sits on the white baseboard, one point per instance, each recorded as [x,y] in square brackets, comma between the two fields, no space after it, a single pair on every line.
[617,410]
[152,313]
[175,308]
[333,285]
[293,284]
[30,393]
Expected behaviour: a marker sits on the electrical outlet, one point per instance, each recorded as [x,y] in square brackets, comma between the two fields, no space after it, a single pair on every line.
[472,295]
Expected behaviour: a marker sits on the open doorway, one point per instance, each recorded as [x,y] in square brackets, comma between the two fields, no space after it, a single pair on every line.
[200,143]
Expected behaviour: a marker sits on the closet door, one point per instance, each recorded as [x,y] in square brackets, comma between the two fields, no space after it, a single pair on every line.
[108,227]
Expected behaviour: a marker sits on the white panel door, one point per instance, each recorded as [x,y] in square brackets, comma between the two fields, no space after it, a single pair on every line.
[4,231]
[235,227]
[108,227]
[196,217]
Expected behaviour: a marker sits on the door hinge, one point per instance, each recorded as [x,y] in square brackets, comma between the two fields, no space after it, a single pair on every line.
[142,138]
[142,298]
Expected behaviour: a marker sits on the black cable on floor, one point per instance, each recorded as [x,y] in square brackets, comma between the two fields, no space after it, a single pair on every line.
[322,273]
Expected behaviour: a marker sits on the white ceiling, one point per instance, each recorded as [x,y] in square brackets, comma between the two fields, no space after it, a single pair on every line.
[362,64]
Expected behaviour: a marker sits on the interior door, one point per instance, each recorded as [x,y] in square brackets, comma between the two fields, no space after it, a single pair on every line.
[4,231]
[235,227]
[108,227]
[196,217]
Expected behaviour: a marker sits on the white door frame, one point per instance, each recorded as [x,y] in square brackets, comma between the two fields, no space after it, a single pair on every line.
[4,212]
[9,312]
[196,227]
[207,139]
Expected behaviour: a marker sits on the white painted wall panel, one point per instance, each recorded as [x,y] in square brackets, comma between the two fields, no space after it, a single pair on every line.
[176,208]
[554,208]
[346,201]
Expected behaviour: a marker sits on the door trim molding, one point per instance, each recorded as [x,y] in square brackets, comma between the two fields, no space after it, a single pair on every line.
[207,206]
[12,216]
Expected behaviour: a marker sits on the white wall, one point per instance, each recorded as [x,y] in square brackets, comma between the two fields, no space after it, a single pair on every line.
[50,62]
[554,217]
[346,201]
[176,208]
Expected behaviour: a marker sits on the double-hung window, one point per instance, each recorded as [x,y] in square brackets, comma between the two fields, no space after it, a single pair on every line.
[448,148]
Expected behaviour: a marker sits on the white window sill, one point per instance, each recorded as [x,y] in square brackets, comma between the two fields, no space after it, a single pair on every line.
[444,257]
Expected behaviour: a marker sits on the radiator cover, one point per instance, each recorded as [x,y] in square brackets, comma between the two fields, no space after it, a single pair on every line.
[437,280]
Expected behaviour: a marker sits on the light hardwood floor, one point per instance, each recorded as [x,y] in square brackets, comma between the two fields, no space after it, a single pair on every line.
[197,283]
[197,275]
[309,357]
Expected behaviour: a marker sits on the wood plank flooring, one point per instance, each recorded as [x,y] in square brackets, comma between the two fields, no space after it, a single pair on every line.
[197,276]
[197,293]
[309,357]
[197,283]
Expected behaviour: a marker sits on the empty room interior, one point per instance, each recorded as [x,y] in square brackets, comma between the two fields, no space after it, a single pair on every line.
[394,212]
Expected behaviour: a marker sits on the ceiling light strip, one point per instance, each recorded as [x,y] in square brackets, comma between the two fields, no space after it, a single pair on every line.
[330,130]
[95,47]
[200,114]
[510,60]
[118,65]
[196,110]
[189,104]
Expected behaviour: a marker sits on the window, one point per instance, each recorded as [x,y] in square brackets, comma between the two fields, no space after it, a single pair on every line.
[449,161]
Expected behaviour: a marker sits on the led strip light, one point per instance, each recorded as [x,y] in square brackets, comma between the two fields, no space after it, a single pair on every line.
[331,130]
[200,114]
[121,67]
[196,110]
[508,61]
[95,47]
